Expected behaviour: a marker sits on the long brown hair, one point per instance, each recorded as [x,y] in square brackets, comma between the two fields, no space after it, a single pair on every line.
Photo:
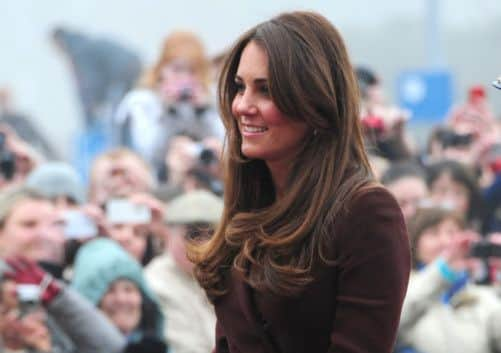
[274,244]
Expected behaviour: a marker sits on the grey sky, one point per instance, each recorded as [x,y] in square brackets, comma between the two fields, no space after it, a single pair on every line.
[373,29]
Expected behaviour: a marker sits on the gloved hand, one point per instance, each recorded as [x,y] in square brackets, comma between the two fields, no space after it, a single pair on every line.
[25,271]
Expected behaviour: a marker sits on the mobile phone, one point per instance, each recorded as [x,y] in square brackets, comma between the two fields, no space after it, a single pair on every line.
[28,296]
[124,211]
[485,249]
[77,225]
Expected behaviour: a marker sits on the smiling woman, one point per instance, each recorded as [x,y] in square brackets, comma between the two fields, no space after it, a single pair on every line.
[310,255]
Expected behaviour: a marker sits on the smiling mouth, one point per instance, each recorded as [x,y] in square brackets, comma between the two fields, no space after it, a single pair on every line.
[253,129]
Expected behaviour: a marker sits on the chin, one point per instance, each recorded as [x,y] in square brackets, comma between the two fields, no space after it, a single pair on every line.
[251,153]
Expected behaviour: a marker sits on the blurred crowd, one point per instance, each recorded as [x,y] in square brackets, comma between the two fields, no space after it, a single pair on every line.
[93,251]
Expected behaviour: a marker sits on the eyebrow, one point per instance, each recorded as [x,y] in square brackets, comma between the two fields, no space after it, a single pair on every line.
[257,80]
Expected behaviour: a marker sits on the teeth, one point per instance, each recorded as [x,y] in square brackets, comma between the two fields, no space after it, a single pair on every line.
[254,129]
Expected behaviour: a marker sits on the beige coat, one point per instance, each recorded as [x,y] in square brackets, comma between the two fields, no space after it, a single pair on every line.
[471,323]
[190,326]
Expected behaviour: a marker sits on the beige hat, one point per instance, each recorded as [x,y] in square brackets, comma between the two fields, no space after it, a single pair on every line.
[199,206]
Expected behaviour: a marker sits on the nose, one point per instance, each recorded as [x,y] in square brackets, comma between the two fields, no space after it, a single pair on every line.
[244,104]
[124,235]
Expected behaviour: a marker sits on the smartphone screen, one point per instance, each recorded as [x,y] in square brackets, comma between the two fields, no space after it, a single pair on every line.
[124,211]
[77,225]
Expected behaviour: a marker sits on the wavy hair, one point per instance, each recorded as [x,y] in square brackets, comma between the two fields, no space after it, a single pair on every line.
[274,244]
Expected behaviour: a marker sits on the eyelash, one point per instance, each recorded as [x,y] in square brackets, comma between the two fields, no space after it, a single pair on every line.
[263,89]
[239,87]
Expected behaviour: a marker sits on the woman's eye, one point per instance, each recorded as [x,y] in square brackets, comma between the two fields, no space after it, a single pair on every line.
[264,90]
[239,87]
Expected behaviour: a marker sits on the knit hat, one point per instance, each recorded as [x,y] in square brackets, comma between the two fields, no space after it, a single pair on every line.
[54,179]
[199,206]
[101,262]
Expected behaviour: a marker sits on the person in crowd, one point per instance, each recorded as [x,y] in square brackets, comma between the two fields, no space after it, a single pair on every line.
[17,158]
[31,227]
[107,276]
[453,185]
[104,71]
[134,236]
[191,217]
[119,173]
[443,310]
[23,126]
[59,182]
[295,265]
[475,116]
[191,165]
[42,315]
[407,182]
[445,143]
[383,124]
[173,98]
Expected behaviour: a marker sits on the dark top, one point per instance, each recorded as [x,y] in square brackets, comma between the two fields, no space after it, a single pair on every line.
[353,306]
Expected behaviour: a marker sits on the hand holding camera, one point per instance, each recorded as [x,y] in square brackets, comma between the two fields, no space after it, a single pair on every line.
[26,272]
[30,331]
[457,253]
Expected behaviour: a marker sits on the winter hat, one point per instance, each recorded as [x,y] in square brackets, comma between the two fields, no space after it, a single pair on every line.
[102,261]
[54,179]
[199,206]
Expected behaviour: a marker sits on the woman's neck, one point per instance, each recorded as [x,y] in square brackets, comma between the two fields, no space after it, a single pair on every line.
[280,171]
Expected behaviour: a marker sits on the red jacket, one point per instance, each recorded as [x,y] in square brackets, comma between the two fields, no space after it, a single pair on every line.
[351,307]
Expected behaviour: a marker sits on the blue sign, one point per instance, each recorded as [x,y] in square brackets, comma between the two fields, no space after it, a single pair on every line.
[427,94]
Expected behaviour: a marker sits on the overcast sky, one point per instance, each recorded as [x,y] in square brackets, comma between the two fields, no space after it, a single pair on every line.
[42,82]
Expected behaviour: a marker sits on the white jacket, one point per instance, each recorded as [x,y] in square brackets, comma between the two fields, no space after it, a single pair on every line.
[191,320]
[470,323]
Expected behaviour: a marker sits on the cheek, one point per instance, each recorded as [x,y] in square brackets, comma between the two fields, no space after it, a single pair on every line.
[272,115]
[106,303]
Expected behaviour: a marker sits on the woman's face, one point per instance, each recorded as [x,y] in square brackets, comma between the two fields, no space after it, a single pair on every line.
[118,178]
[266,132]
[132,237]
[33,229]
[122,305]
[409,192]
[434,240]
[446,191]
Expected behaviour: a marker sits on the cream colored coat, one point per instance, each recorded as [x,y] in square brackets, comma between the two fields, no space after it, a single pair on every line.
[190,326]
[471,323]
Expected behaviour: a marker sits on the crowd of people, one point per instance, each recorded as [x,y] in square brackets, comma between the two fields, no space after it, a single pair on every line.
[100,264]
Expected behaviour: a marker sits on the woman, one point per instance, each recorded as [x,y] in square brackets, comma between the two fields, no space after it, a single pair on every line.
[106,275]
[310,255]
[443,311]
[174,99]
[453,185]
[30,227]
[407,182]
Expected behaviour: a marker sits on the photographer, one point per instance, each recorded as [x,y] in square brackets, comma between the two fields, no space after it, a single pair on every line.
[191,165]
[17,158]
[443,310]
[30,227]
[41,314]
[174,98]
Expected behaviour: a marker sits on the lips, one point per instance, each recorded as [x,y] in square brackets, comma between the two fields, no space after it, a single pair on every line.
[253,129]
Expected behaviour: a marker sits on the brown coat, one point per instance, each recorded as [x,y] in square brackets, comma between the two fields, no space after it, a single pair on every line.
[351,307]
